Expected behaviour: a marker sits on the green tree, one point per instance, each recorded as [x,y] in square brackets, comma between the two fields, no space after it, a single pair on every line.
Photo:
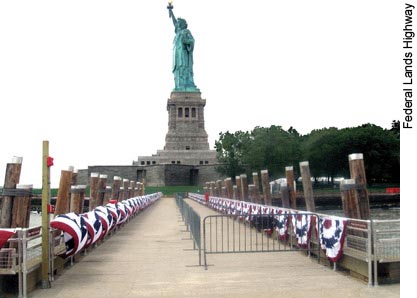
[381,150]
[229,152]
[271,148]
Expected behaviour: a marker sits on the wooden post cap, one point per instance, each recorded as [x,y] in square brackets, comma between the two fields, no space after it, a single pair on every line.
[347,184]
[24,186]
[264,172]
[102,176]
[289,168]
[94,175]
[304,164]
[117,178]
[17,159]
[355,156]
[78,188]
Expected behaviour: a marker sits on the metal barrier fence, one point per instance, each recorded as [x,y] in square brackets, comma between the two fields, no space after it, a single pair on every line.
[372,241]
[192,222]
[25,254]
[254,233]
[386,243]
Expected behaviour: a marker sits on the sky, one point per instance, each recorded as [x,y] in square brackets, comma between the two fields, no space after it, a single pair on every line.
[93,77]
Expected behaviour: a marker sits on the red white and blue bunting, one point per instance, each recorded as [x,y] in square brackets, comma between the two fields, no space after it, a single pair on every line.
[301,223]
[332,233]
[83,230]
[331,230]
[5,234]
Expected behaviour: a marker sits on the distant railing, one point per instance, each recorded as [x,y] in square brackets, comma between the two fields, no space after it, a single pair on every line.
[192,222]
[372,241]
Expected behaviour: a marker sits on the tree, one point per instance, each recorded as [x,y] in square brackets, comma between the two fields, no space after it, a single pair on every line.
[229,152]
[271,148]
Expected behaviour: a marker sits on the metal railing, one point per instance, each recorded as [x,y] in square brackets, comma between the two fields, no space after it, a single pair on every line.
[24,252]
[372,241]
[192,222]
[253,233]
[24,255]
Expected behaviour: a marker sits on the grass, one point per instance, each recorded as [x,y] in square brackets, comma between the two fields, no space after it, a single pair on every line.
[171,190]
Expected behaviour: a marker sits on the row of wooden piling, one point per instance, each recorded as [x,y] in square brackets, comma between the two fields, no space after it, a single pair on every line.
[354,194]
[16,198]
[15,208]
[71,198]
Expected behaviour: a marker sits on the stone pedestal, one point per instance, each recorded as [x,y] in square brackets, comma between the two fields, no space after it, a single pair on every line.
[186,122]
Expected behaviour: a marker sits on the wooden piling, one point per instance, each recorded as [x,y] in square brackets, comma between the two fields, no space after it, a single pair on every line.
[21,206]
[62,204]
[357,172]
[74,177]
[349,199]
[213,189]
[132,186]
[251,193]
[117,182]
[143,186]
[208,190]
[245,190]
[285,195]
[11,179]
[137,189]
[229,187]
[267,200]
[219,188]
[46,200]
[307,186]
[77,198]
[101,189]
[238,188]
[94,177]
[107,195]
[142,189]
[235,194]
[289,174]
[255,178]
[125,189]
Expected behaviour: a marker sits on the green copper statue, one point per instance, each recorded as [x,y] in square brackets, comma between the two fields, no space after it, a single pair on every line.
[183,55]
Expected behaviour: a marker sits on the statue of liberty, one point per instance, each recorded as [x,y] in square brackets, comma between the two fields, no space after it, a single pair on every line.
[182,55]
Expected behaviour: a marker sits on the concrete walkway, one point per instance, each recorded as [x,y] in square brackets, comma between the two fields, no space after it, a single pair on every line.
[148,258]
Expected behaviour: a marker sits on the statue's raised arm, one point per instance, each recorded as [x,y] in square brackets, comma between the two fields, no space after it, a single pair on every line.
[171,13]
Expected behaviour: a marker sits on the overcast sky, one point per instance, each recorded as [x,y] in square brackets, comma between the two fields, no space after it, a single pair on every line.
[93,77]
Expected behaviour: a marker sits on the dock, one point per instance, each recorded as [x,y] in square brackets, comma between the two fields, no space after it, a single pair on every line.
[152,256]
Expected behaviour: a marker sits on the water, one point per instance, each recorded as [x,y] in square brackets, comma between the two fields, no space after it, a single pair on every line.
[376,213]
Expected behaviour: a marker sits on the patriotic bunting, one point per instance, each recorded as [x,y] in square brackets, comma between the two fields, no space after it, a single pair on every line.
[82,230]
[331,230]
[5,234]
[281,220]
[302,228]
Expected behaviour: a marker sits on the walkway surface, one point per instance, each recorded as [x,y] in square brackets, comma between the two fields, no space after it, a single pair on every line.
[149,258]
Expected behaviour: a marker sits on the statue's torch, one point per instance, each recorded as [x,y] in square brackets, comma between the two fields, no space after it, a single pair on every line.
[170,6]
